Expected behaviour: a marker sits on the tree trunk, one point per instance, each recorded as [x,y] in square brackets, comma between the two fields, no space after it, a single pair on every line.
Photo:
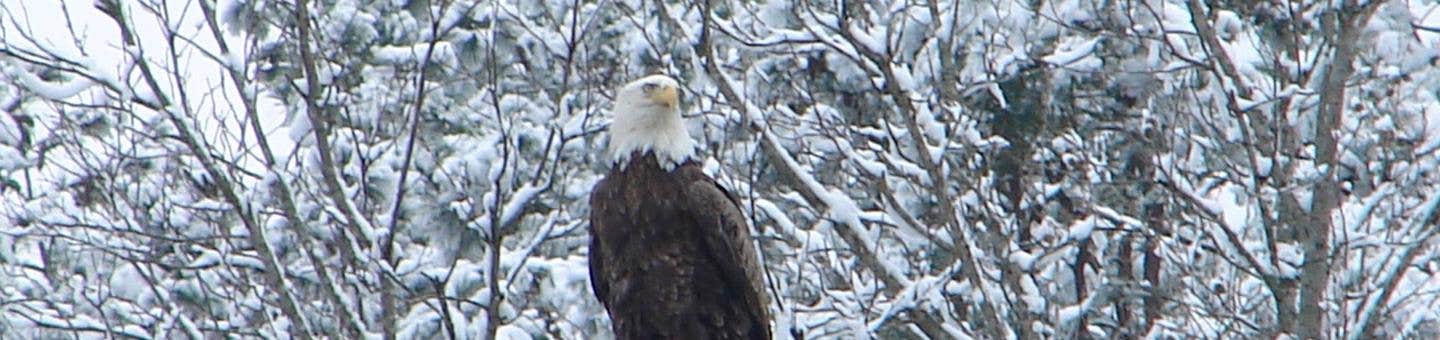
[1315,239]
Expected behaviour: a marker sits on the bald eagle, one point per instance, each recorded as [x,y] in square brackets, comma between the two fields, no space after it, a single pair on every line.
[670,251]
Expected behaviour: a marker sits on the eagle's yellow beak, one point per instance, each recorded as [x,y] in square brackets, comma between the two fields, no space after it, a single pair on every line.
[666,95]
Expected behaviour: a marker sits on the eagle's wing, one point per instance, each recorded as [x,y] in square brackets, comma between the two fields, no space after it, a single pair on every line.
[598,282]
[725,231]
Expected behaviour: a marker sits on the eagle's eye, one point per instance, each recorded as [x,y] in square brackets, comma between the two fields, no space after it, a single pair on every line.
[648,88]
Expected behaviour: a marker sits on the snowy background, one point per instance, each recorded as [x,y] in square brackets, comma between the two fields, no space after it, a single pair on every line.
[912,168]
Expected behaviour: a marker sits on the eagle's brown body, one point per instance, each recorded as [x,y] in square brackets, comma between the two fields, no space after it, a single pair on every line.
[670,255]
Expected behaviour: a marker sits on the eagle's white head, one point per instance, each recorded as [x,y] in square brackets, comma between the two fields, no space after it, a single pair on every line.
[647,118]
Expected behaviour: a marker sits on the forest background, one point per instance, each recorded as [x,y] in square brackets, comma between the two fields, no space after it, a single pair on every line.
[912,168]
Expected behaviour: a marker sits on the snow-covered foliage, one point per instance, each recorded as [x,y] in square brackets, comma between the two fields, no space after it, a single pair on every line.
[913,169]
